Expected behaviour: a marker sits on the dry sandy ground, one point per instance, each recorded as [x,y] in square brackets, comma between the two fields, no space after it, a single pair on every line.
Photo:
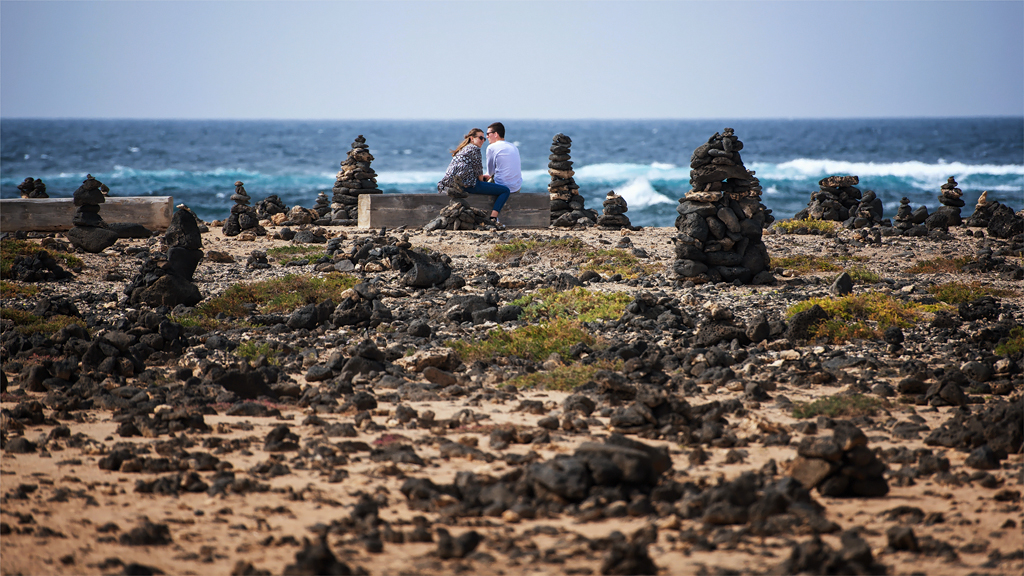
[55,530]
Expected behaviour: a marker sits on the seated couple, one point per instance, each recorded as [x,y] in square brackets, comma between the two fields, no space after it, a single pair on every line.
[504,170]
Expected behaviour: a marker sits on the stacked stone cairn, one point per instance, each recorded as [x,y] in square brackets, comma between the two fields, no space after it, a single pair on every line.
[355,178]
[949,213]
[270,206]
[459,215]
[243,217]
[999,219]
[839,200]
[721,219]
[567,204]
[90,233]
[614,216]
[168,282]
[840,466]
[909,221]
[323,207]
[33,188]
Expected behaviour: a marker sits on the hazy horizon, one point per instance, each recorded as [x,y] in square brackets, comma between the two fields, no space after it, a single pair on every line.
[512,60]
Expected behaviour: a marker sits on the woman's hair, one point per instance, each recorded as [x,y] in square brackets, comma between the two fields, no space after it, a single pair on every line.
[465,140]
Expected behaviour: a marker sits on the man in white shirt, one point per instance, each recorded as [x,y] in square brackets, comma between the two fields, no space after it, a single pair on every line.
[503,162]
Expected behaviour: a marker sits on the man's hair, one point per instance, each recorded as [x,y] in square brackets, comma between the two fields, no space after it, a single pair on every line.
[499,128]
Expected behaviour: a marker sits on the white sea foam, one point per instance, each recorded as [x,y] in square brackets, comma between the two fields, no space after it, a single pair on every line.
[916,173]
[409,177]
[639,193]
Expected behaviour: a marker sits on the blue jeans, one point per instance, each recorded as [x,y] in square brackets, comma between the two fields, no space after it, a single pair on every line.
[491,189]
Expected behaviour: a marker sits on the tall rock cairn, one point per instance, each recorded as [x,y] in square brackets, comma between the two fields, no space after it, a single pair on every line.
[33,188]
[567,205]
[90,232]
[949,213]
[355,178]
[243,217]
[168,281]
[721,219]
[614,213]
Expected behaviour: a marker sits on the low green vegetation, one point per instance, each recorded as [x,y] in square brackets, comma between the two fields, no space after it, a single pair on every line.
[294,252]
[559,247]
[863,315]
[578,303]
[11,249]
[28,323]
[251,350]
[278,295]
[840,406]
[862,275]
[939,265]
[959,292]
[564,377]
[1014,345]
[807,226]
[612,262]
[533,342]
[805,263]
[12,290]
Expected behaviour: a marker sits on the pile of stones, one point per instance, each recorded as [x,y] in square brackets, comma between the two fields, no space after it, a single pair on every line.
[840,466]
[243,217]
[459,215]
[614,213]
[90,233]
[839,200]
[168,281]
[269,206]
[322,207]
[355,178]
[567,204]
[33,188]
[911,222]
[721,219]
[949,213]
[999,219]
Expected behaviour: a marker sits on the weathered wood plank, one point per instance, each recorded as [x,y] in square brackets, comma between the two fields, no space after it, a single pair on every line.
[415,210]
[55,214]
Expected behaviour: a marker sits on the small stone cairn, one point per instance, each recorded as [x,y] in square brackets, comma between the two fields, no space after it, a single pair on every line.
[721,219]
[90,232]
[270,206]
[355,178]
[614,213]
[322,206]
[999,219]
[169,282]
[909,221]
[949,213]
[243,217]
[33,188]
[458,214]
[840,466]
[567,204]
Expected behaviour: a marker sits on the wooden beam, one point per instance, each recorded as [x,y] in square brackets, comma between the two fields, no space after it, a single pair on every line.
[415,210]
[55,214]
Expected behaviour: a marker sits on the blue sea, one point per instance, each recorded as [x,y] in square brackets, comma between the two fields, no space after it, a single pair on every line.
[646,161]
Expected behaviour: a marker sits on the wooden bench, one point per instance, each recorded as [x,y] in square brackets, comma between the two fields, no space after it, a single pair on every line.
[55,214]
[415,210]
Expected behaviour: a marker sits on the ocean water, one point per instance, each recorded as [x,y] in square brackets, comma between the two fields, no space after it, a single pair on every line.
[646,161]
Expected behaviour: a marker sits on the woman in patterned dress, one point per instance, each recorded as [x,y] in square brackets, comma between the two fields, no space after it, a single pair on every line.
[466,172]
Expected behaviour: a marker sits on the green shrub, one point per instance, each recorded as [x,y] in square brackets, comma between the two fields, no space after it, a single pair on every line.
[534,342]
[12,290]
[579,303]
[840,406]
[28,323]
[1014,345]
[559,247]
[251,350]
[790,226]
[278,295]
[611,262]
[564,377]
[939,265]
[959,292]
[863,315]
[11,249]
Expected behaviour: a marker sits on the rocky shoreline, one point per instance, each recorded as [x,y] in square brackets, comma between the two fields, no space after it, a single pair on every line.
[140,444]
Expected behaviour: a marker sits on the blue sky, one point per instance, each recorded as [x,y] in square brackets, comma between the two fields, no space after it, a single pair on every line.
[525,60]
